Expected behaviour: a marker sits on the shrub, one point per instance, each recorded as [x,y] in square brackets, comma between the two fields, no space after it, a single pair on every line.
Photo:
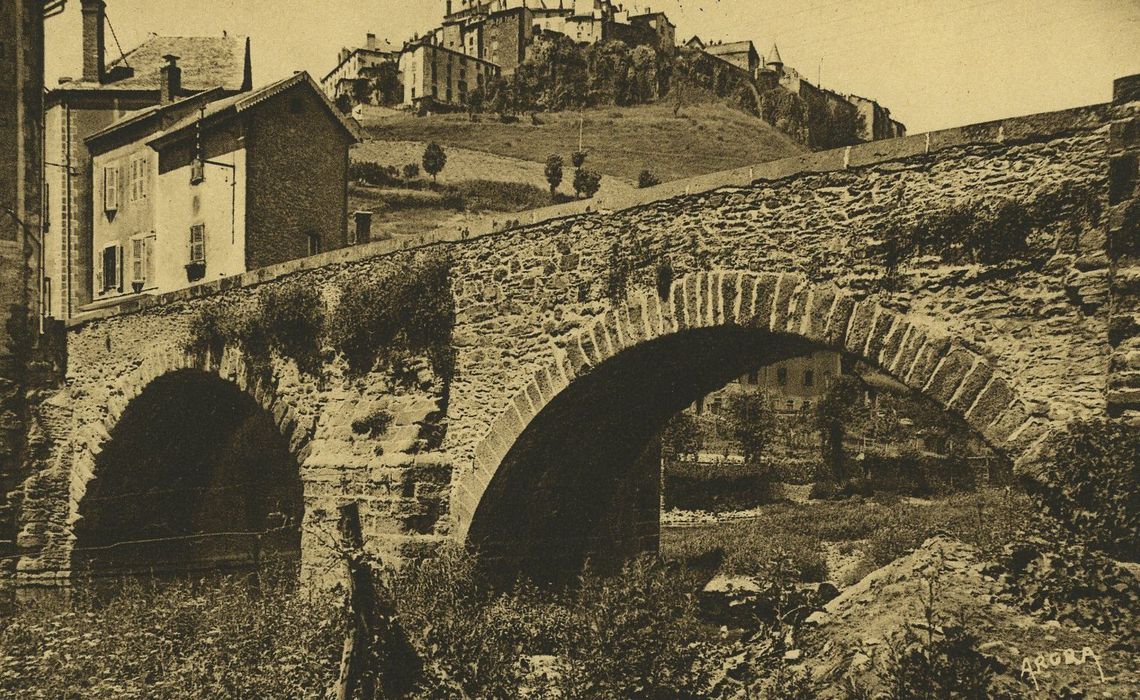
[943,667]
[375,423]
[496,195]
[578,159]
[629,635]
[371,173]
[1089,480]
[633,635]
[587,182]
[721,486]
[411,171]
[393,317]
[1072,584]
[647,179]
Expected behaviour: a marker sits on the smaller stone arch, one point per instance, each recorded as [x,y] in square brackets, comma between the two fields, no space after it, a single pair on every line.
[918,352]
[94,429]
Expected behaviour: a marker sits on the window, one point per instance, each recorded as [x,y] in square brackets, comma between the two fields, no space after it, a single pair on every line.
[47,207]
[142,262]
[809,377]
[112,262]
[137,186]
[110,188]
[314,242]
[46,303]
[198,243]
[782,376]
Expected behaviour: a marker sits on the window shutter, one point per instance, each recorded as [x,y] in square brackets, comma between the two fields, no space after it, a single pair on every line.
[119,267]
[148,251]
[110,188]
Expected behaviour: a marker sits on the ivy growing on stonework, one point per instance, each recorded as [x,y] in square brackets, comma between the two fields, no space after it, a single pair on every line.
[626,255]
[392,317]
[288,319]
[992,233]
[383,320]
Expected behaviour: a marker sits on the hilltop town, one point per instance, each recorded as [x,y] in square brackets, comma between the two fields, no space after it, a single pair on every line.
[498,55]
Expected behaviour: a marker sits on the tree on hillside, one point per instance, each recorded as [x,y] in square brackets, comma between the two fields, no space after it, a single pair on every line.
[386,85]
[361,92]
[344,102]
[411,171]
[434,159]
[833,413]
[587,182]
[554,172]
[475,100]
[578,158]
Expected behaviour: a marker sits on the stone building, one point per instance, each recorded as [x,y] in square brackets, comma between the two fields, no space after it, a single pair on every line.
[656,28]
[741,54]
[104,93]
[362,64]
[211,186]
[876,120]
[437,76]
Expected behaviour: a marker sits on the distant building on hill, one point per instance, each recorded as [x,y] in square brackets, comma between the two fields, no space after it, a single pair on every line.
[357,69]
[438,76]
[742,54]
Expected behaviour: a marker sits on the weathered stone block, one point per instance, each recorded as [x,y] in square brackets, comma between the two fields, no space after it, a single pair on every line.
[782,300]
[862,323]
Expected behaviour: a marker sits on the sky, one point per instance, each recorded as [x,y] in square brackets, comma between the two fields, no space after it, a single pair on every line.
[933,63]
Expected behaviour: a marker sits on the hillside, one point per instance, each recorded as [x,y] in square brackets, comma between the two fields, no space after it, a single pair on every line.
[622,141]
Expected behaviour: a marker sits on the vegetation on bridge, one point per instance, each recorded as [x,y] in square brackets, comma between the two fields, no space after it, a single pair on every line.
[993,232]
[386,319]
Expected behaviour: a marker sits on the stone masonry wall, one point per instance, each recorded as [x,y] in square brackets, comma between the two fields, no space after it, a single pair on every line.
[1124,250]
[1034,338]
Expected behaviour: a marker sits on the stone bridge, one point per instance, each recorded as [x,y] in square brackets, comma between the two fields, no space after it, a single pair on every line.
[576,337]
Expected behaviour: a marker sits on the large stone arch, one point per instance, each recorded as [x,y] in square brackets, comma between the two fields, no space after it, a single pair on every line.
[916,351]
[92,432]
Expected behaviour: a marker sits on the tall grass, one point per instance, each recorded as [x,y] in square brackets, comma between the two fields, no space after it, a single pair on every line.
[190,639]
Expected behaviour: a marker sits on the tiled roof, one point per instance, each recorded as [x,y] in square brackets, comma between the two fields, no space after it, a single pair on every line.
[206,62]
[243,101]
[731,47]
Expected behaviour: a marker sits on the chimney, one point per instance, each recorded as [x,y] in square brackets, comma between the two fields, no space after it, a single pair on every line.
[363,222]
[93,46]
[370,41]
[170,80]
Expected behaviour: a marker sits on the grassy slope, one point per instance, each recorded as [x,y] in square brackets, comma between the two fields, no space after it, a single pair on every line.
[621,141]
